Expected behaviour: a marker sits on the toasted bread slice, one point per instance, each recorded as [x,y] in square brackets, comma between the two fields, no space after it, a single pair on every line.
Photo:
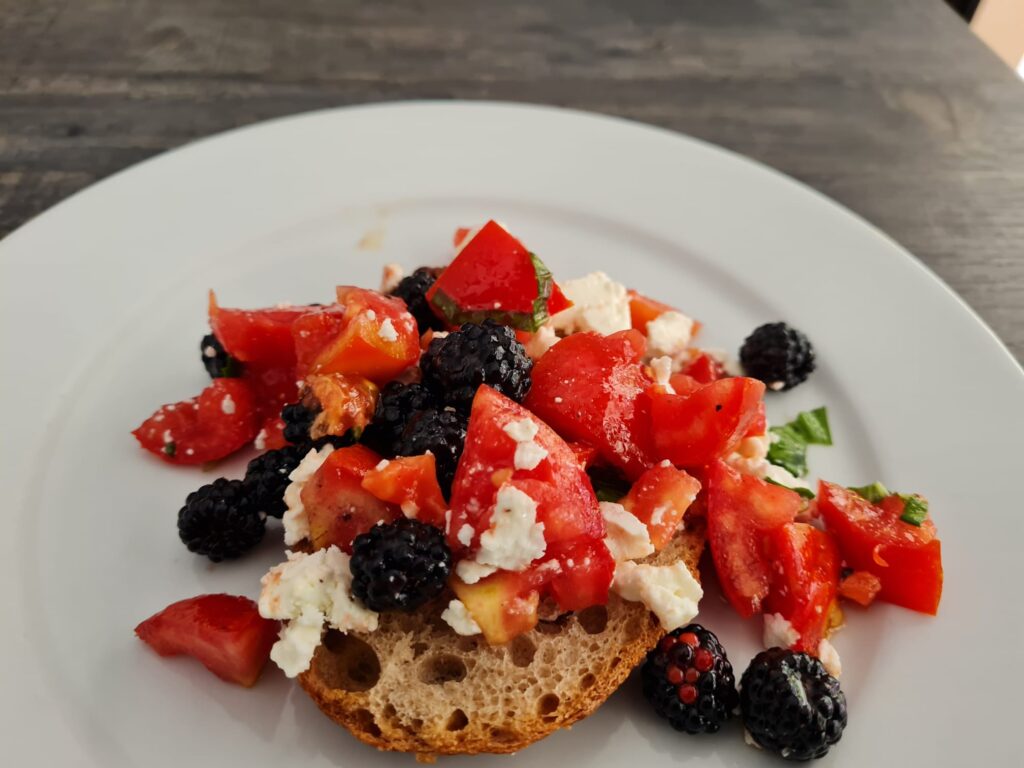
[416,686]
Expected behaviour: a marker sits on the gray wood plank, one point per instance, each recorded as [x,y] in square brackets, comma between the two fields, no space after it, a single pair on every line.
[894,109]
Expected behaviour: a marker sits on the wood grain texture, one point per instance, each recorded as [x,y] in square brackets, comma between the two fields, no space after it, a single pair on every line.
[893,109]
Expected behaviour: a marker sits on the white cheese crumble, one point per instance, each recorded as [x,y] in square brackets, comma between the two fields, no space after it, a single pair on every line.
[260,443]
[829,657]
[670,591]
[751,458]
[387,330]
[513,541]
[382,464]
[528,453]
[599,304]
[465,535]
[209,351]
[457,617]
[627,538]
[371,315]
[540,342]
[661,367]
[227,405]
[295,520]
[308,591]
[669,333]
[391,277]
[778,632]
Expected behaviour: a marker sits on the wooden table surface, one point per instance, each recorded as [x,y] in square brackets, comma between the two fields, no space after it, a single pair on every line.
[892,108]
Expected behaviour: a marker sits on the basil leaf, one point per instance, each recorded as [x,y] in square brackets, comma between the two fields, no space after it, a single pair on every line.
[915,508]
[813,425]
[807,493]
[170,449]
[873,493]
[788,450]
[608,484]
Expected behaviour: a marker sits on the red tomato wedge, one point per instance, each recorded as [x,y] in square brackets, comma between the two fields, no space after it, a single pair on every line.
[805,580]
[337,505]
[684,385]
[256,335]
[213,425]
[643,310]
[495,276]
[566,503]
[373,336]
[860,586]
[906,559]
[741,511]
[410,482]
[226,633]
[659,499]
[586,569]
[704,368]
[693,430]
[592,389]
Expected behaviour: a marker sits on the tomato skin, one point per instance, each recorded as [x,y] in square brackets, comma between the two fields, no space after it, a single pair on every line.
[695,429]
[338,507]
[409,482]
[564,496]
[906,559]
[741,510]
[213,425]
[587,580]
[256,335]
[558,301]
[805,580]
[224,632]
[313,331]
[684,385]
[659,499]
[860,586]
[592,389]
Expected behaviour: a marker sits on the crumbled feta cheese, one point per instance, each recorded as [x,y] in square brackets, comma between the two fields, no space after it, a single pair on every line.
[308,591]
[295,520]
[558,399]
[670,591]
[371,315]
[751,458]
[669,333]
[167,437]
[513,541]
[778,632]
[829,657]
[260,443]
[662,369]
[457,617]
[627,538]
[391,277]
[528,453]
[541,341]
[227,405]
[465,535]
[599,304]
[440,335]
[659,514]
[209,351]
[387,330]
[410,509]
[382,464]
[522,430]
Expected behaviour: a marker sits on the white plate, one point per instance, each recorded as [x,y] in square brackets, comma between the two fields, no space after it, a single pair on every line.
[102,303]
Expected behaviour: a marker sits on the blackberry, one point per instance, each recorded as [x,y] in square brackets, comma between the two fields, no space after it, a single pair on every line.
[778,355]
[412,289]
[399,566]
[443,433]
[297,419]
[398,403]
[220,521]
[689,680]
[478,353]
[266,477]
[218,363]
[791,705]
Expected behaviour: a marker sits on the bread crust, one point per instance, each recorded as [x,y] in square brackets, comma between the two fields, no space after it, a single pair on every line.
[415,686]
